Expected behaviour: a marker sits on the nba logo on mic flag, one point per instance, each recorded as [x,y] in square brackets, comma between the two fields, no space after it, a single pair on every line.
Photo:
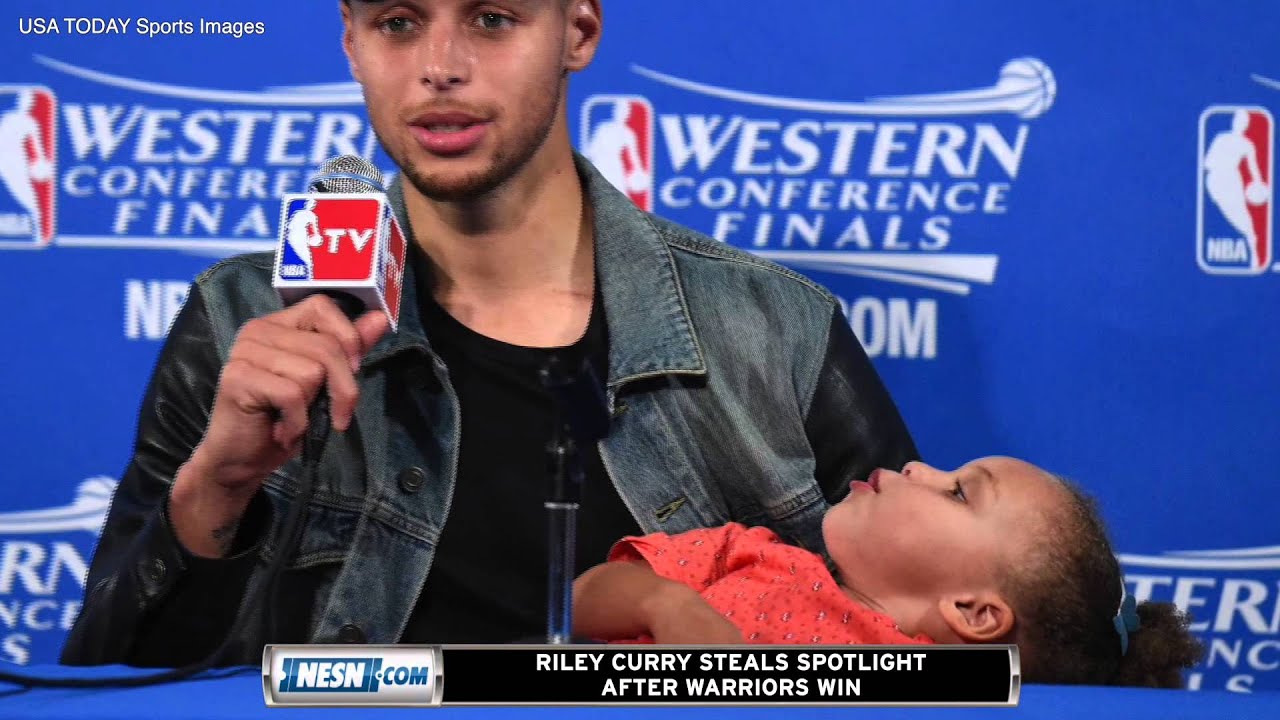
[28,165]
[348,242]
[329,238]
[1236,182]
[617,137]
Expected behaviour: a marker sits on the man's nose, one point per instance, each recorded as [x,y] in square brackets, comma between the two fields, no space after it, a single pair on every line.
[447,58]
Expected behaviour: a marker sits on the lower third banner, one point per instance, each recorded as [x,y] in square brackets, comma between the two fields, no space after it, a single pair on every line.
[365,675]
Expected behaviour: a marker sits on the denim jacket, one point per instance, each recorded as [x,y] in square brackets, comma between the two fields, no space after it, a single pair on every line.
[736,390]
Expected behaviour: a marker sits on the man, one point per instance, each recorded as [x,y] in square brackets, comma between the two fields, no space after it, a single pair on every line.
[731,383]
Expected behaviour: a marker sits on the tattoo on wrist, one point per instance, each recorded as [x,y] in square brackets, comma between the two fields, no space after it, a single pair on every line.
[223,535]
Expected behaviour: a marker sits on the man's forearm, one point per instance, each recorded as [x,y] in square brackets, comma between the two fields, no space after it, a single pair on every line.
[204,516]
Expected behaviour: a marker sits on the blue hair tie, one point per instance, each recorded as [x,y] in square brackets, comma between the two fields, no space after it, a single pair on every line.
[1126,619]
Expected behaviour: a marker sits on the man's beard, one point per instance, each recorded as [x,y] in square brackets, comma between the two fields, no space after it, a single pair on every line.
[507,159]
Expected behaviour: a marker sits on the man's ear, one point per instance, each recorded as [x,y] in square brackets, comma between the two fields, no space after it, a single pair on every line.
[348,40]
[982,617]
[585,23]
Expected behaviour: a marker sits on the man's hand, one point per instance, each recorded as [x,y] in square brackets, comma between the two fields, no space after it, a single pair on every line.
[277,366]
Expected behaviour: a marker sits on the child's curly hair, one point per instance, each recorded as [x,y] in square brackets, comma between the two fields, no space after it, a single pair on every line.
[1065,604]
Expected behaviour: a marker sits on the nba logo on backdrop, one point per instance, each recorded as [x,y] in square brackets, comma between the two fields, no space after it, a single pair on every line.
[617,136]
[1234,209]
[28,164]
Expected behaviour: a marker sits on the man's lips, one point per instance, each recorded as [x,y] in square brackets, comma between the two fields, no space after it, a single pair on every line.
[437,120]
[448,133]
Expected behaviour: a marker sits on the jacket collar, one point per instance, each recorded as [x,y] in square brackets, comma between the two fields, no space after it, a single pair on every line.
[650,330]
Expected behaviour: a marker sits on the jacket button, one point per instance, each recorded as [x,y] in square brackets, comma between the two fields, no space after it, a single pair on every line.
[156,571]
[350,634]
[411,479]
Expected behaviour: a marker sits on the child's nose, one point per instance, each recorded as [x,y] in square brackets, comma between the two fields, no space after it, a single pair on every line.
[920,472]
[916,467]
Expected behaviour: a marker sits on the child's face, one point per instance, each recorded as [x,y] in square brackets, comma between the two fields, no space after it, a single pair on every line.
[927,532]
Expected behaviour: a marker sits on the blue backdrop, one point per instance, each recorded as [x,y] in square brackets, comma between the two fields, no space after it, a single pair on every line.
[1042,218]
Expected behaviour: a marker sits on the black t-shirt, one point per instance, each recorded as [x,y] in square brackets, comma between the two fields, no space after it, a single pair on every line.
[488,581]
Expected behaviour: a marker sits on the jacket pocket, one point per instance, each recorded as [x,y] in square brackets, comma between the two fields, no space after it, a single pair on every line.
[328,524]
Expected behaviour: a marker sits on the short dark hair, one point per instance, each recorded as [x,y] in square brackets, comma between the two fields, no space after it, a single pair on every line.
[1065,603]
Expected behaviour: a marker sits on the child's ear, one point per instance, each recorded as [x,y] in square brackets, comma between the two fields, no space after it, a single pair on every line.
[981,617]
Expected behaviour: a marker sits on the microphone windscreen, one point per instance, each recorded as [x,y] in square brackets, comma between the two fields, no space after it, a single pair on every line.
[346,174]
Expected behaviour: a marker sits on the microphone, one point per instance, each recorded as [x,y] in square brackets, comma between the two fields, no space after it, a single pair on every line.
[341,238]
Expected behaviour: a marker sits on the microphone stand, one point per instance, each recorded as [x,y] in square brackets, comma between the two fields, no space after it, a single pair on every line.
[581,418]
[562,532]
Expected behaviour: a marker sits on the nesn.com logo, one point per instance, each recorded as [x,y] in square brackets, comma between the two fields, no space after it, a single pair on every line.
[349,675]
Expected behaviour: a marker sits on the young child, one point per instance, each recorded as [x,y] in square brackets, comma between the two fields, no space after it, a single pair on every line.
[998,551]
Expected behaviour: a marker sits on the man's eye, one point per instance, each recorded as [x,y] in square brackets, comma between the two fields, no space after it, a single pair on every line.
[397,25]
[958,493]
[493,21]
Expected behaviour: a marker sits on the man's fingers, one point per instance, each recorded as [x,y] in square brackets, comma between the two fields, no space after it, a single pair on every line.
[320,314]
[308,373]
[315,329]
[371,327]
[310,347]
[255,390]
